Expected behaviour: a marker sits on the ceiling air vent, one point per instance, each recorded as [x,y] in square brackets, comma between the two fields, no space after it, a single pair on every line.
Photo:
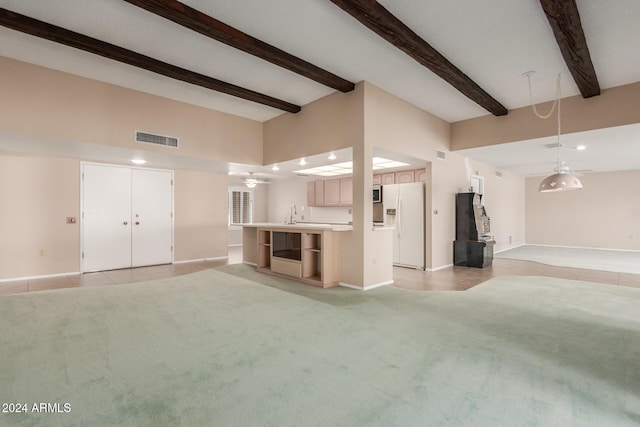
[150,138]
[441,155]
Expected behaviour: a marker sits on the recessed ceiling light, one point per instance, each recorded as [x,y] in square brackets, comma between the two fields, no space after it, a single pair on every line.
[302,162]
[138,161]
[275,168]
[581,147]
[332,156]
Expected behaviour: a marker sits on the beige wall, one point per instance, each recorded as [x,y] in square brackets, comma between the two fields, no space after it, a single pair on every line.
[44,103]
[615,106]
[604,214]
[36,196]
[283,194]
[200,217]
[330,123]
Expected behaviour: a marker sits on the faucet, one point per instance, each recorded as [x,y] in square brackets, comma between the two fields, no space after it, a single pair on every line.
[293,212]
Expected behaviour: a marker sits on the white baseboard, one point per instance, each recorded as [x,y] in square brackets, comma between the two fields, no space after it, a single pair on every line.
[583,247]
[511,247]
[366,288]
[250,263]
[442,267]
[201,260]
[235,245]
[44,276]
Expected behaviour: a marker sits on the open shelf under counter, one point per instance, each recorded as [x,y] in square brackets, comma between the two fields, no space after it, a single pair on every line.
[307,253]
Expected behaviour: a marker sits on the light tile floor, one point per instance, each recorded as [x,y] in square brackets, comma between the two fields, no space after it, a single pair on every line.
[448,279]
[463,278]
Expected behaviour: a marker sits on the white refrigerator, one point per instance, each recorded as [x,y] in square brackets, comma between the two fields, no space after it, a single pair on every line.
[403,206]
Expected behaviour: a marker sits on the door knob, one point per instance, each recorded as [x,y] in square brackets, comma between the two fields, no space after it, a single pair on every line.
[137,222]
[125,223]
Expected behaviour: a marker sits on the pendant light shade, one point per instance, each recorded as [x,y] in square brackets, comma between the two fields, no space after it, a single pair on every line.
[562,181]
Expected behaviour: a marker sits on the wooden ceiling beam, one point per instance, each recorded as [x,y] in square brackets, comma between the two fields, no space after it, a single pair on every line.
[565,22]
[57,34]
[378,19]
[208,26]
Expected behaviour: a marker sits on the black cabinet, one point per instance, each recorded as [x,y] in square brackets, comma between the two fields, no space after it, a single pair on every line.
[473,253]
[472,247]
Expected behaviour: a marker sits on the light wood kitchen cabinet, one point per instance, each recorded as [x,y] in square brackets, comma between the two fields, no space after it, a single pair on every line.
[311,193]
[346,191]
[332,192]
[264,249]
[319,193]
[377,179]
[318,262]
[420,175]
[388,178]
[403,177]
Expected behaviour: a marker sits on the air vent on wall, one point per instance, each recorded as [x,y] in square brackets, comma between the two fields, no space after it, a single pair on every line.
[150,138]
[499,174]
[441,155]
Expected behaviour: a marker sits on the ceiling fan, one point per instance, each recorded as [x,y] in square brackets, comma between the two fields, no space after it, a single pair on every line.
[251,181]
[561,168]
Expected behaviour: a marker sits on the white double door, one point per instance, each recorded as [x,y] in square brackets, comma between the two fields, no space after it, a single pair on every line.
[127,217]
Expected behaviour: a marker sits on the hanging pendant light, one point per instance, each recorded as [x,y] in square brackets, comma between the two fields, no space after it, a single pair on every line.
[563,179]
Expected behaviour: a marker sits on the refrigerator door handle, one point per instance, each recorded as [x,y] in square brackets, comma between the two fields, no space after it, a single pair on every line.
[399,216]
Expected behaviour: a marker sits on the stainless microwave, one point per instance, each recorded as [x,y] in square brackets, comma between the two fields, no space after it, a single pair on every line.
[377,194]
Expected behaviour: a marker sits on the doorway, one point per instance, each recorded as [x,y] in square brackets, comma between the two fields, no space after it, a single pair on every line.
[127,217]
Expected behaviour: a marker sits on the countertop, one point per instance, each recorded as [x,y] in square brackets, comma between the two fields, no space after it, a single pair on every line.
[314,226]
[302,226]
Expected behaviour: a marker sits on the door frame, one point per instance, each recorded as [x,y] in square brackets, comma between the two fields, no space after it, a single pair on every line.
[82,164]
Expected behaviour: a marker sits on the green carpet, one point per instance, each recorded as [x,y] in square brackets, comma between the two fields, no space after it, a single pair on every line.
[219,348]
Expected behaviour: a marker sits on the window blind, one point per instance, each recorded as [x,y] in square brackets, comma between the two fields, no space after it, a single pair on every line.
[240,207]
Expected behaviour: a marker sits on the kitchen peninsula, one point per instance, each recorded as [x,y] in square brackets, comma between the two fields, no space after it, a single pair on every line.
[303,251]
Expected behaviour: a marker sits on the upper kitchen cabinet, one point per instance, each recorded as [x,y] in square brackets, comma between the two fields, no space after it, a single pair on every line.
[332,192]
[388,178]
[319,193]
[311,193]
[400,177]
[403,177]
[346,191]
